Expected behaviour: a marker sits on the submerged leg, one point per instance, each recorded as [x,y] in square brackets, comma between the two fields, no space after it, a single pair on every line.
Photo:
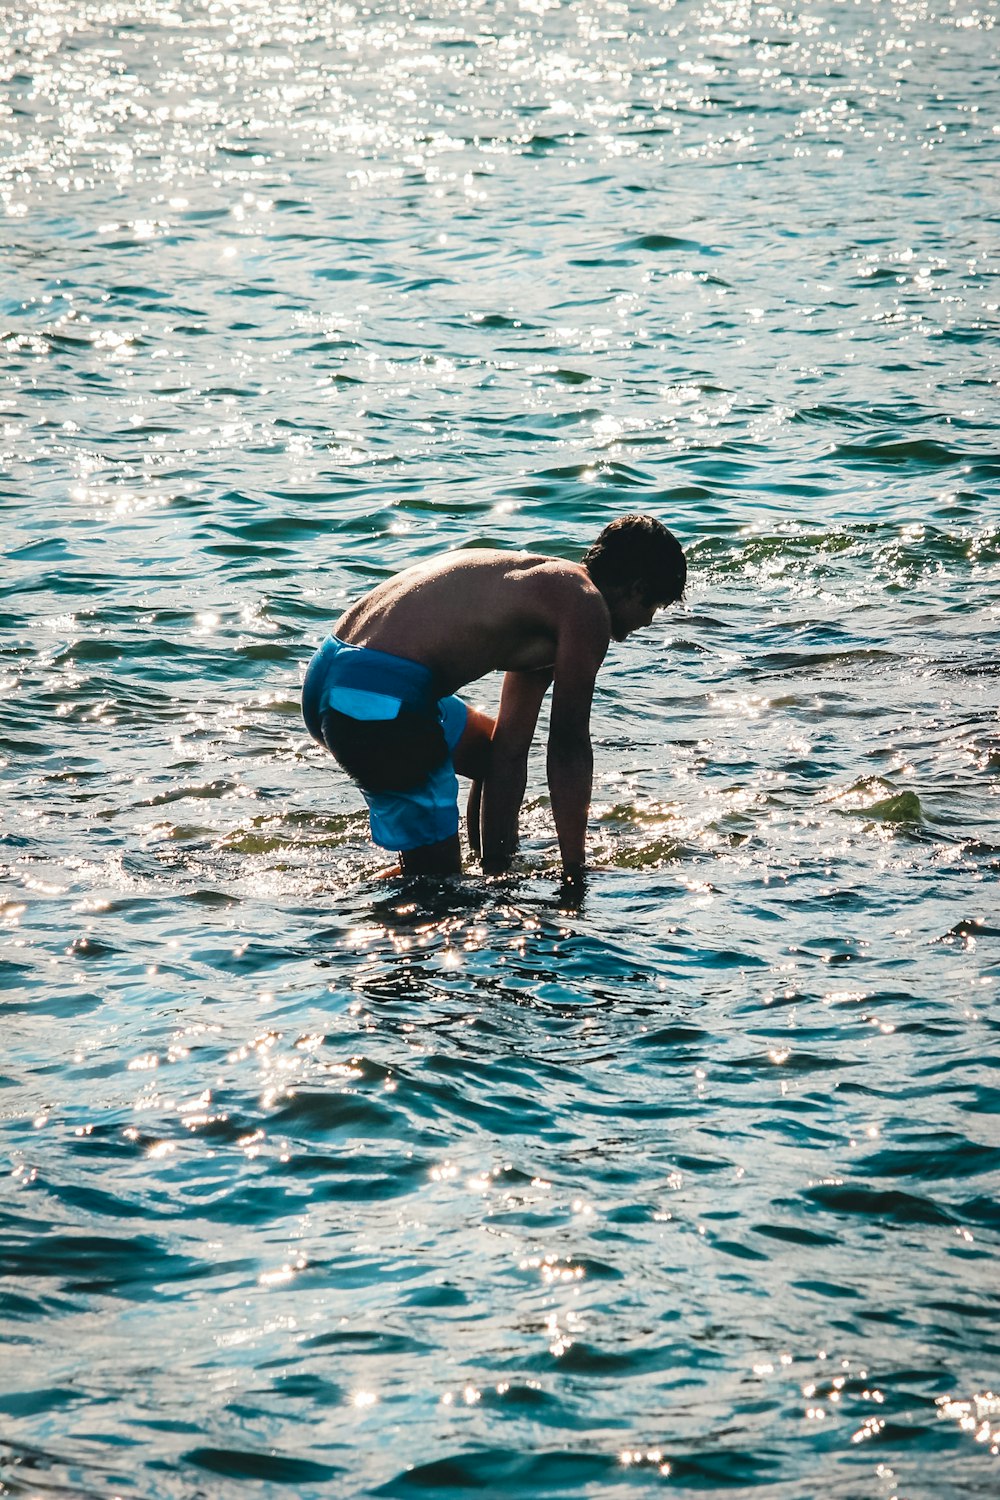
[473,818]
[471,758]
[442,858]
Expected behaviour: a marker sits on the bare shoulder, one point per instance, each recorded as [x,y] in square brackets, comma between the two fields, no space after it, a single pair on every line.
[536,571]
[552,587]
[566,590]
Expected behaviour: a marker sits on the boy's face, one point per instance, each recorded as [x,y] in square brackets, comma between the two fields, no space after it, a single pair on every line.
[630,611]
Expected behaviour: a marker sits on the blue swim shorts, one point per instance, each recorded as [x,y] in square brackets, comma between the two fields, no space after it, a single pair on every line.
[372,688]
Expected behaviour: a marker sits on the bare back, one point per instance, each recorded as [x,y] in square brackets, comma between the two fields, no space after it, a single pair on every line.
[471,612]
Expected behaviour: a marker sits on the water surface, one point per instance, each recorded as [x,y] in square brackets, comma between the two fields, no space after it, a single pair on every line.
[325,1186]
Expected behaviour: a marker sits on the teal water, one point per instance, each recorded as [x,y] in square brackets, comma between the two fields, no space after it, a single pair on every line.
[320,1186]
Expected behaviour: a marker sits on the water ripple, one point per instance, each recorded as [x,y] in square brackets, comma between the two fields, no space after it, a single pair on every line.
[418,1188]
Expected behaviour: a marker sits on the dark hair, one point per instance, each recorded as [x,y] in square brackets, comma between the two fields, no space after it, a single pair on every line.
[638,549]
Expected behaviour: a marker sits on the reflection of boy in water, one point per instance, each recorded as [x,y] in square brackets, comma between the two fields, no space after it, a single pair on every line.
[378,693]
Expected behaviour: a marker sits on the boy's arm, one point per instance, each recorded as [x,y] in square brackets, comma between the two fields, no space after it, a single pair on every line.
[503,785]
[582,644]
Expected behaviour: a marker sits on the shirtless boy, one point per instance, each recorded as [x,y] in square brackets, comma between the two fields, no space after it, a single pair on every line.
[379,692]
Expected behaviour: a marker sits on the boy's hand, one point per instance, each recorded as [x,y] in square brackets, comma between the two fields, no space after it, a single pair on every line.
[573,885]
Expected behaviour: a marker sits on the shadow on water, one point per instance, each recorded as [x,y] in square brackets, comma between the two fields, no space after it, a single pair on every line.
[520,940]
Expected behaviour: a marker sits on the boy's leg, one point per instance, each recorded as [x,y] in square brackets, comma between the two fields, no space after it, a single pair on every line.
[474,819]
[442,858]
[471,757]
[396,815]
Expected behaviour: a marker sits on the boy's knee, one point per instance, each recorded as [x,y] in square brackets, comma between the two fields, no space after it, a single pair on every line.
[472,753]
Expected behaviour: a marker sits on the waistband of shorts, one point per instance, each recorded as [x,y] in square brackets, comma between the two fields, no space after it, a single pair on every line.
[339,664]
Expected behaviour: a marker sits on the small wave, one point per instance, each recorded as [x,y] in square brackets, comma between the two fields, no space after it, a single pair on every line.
[269,1466]
[858,416]
[883,1205]
[321,1113]
[901,807]
[936,1158]
[924,453]
[668,242]
[652,855]
[505,1471]
[129,1266]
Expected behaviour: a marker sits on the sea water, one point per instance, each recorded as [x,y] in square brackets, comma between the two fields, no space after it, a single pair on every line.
[324,1186]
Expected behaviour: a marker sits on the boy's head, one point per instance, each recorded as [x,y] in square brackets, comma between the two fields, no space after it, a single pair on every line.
[636,562]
